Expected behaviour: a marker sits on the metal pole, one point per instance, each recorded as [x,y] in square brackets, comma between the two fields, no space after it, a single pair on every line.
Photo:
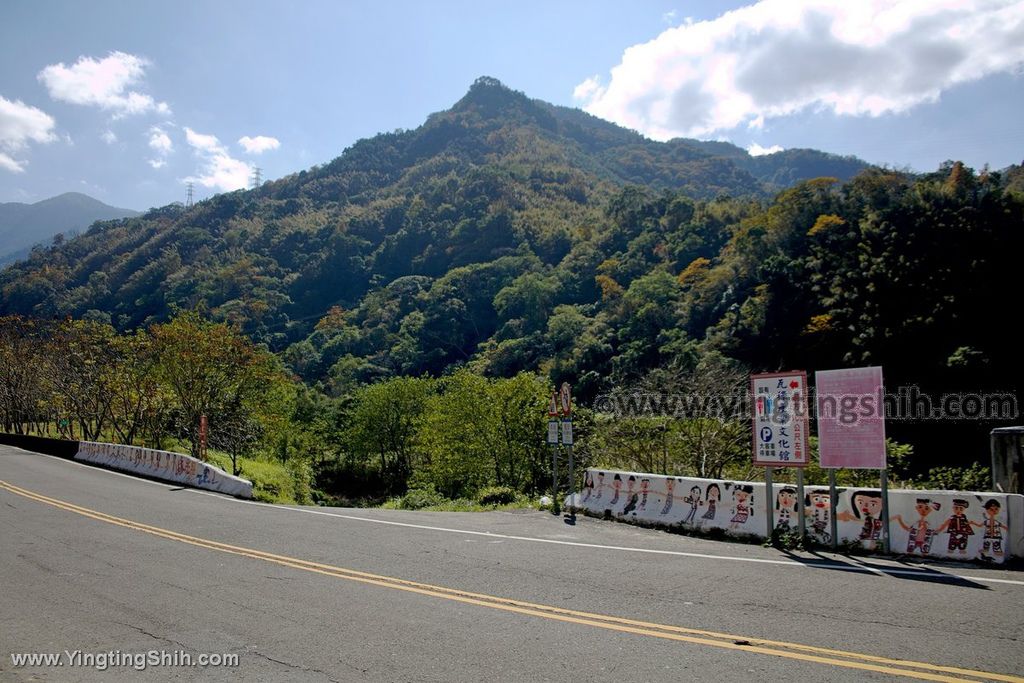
[572,485]
[833,498]
[885,510]
[800,502]
[554,481]
[769,496]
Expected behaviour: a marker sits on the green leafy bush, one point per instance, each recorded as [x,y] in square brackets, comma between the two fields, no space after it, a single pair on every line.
[417,499]
[497,495]
[973,478]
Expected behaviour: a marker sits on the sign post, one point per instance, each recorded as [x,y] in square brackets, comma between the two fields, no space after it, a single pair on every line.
[833,503]
[800,501]
[851,434]
[553,442]
[565,408]
[560,424]
[203,429]
[781,427]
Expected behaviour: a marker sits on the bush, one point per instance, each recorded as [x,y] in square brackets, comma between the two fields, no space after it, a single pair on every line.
[973,478]
[496,495]
[417,499]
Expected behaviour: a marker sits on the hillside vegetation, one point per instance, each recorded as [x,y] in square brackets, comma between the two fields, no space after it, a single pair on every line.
[506,235]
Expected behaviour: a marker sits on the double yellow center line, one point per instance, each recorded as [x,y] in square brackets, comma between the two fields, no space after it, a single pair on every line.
[807,653]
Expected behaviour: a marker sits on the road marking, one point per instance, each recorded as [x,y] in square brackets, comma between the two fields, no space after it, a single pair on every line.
[925,573]
[808,653]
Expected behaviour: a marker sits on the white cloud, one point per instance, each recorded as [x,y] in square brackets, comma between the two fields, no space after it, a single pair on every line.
[778,57]
[258,144]
[102,83]
[109,137]
[159,141]
[161,144]
[219,169]
[200,141]
[11,164]
[670,16]
[21,124]
[756,150]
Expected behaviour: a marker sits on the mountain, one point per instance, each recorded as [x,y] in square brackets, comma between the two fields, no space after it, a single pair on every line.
[507,234]
[496,174]
[25,225]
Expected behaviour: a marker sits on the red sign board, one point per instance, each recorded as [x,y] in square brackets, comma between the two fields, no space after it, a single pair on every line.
[851,418]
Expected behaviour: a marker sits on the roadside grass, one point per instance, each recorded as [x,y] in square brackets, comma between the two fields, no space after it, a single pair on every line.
[429,500]
[272,482]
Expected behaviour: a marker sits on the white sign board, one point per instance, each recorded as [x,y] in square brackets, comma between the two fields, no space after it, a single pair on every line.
[553,432]
[566,432]
[781,425]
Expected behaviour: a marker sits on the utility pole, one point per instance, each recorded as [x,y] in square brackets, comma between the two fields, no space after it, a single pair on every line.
[188,199]
[257,177]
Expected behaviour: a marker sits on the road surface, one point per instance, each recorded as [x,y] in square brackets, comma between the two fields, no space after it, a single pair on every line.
[95,561]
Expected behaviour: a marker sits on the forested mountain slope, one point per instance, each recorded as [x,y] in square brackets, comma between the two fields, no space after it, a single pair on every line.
[510,234]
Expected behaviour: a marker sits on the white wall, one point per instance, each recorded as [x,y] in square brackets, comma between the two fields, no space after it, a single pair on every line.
[174,467]
[739,510]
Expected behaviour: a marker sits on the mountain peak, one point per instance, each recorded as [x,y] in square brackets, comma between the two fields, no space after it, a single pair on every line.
[490,96]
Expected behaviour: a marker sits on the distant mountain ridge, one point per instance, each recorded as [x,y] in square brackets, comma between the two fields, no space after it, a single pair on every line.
[25,225]
[497,176]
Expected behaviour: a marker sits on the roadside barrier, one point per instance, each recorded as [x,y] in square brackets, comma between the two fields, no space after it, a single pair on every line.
[960,525]
[174,467]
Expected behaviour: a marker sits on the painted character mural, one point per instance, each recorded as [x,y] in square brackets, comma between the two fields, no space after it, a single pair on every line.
[645,488]
[992,541]
[600,485]
[742,499]
[786,506]
[867,507]
[958,527]
[818,506]
[588,485]
[920,533]
[712,494]
[631,496]
[617,488]
[694,500]
[670,487]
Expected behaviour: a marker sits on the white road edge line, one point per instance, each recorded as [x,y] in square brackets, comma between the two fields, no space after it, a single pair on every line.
[857,568]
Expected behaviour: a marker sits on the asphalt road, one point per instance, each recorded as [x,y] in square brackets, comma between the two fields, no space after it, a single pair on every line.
[95,561]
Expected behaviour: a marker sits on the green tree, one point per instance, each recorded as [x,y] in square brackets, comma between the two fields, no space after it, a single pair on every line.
[384,425]
[211,370]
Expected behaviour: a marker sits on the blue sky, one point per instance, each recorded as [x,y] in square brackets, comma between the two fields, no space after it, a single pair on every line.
[129,101]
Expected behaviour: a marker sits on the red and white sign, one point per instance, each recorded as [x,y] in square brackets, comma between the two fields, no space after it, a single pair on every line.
[565,400]
[781,424]
[851,418]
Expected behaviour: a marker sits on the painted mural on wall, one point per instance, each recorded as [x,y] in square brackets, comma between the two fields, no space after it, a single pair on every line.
[174,467]
[940,524]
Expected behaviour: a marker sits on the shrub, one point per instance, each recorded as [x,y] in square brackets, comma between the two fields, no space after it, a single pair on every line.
[417,499]
[496,495]
[973,478]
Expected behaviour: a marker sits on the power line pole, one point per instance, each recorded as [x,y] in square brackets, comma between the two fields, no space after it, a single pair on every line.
[257,177]
[188,200]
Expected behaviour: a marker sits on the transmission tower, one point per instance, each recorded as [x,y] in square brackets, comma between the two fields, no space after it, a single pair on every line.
[257,177]
[188,199]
